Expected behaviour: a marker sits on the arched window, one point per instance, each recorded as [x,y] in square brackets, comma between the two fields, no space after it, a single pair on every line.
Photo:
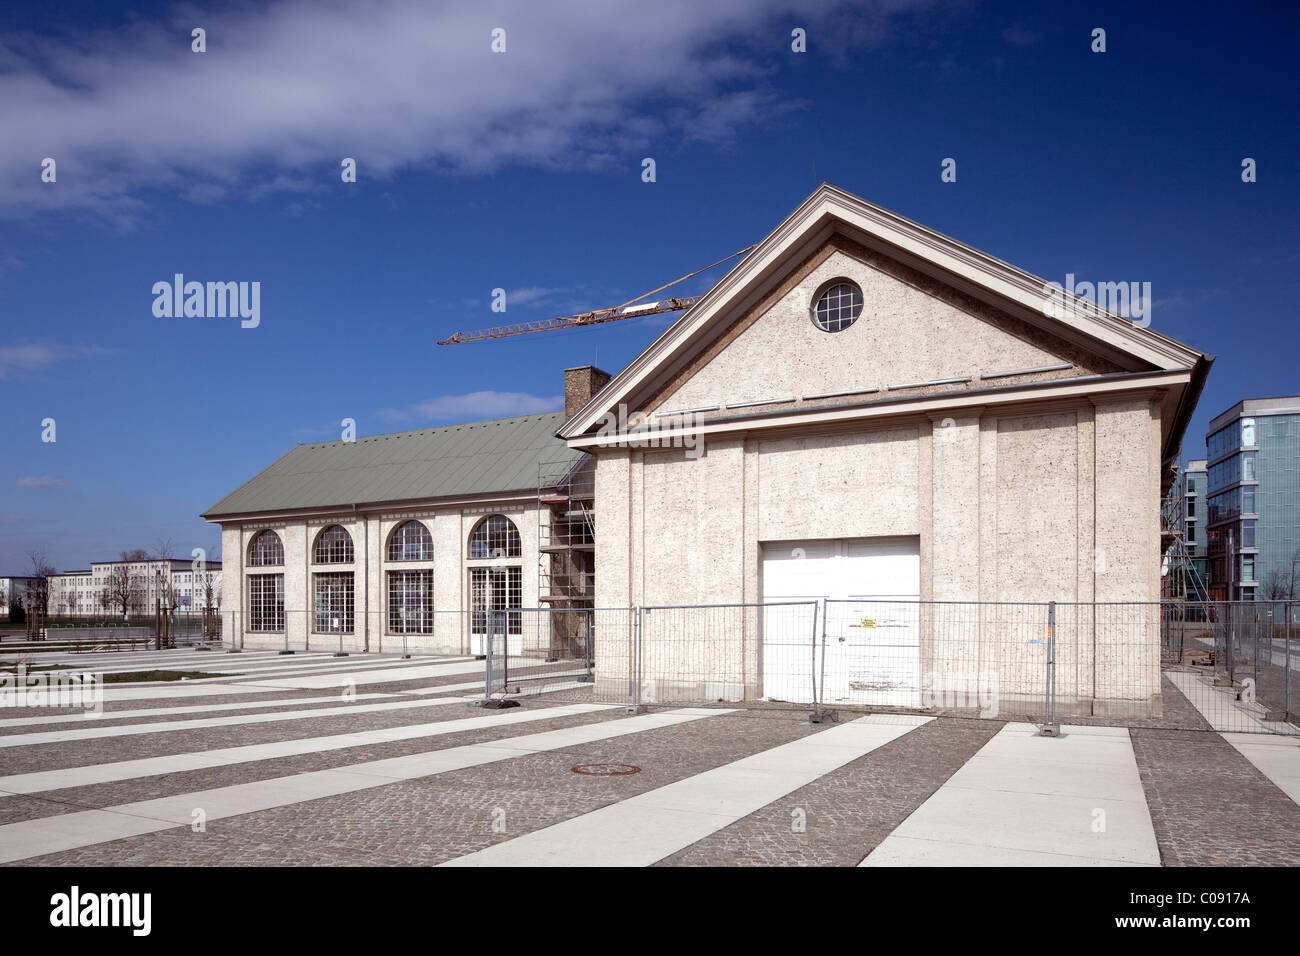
[495,588]
[333,546]
[410,541]
[266,550]
[494,537]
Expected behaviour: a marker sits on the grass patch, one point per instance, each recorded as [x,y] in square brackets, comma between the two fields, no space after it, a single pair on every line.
[133,677]
[13,666]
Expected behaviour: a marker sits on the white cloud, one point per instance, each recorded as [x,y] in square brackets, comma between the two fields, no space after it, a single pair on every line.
[473,406]
[40,481]
[532,295]
[18,360]
[285,92]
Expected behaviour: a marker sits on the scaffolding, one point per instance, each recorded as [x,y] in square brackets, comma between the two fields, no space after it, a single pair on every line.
[566,536]
[1180,578]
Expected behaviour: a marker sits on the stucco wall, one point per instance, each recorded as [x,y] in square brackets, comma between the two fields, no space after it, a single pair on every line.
[1052,503]
[907,333]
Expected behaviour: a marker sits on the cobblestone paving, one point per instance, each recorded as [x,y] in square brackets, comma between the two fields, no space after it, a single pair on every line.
[848,812]
[76,753]
[312,699]
[1210,806]
[434,819]
[73,799]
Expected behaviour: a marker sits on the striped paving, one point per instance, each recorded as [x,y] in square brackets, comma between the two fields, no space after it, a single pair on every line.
[40,781]
[146,712]
[30,838]
[646,828]
[197,723]
[1276,757]
[720,791]
[1221,709]
[1025,800]
[1272,746]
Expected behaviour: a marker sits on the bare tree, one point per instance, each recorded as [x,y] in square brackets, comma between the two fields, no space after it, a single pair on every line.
[1282,584]
[38,584]
[1272,586]
[209,591]
[126,587]
[163,551]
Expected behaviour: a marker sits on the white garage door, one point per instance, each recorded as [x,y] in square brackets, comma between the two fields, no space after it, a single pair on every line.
[872,652]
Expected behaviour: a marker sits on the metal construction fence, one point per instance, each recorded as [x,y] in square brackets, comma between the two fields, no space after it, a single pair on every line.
[541,650]
[1223,666]
[1250,649]
[178,628]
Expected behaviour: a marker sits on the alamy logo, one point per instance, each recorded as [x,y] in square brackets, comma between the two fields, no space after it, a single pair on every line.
[678,430]
[52,689]
[75,908]
[210,300]
[1132,300]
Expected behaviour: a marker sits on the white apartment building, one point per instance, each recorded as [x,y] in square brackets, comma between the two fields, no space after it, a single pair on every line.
[13,592]
[72,593]
[92,592]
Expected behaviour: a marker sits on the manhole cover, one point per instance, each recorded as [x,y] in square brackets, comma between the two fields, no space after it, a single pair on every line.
[606,769]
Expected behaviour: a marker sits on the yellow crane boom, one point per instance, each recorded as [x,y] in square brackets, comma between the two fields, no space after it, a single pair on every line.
[570,321]
[628,310]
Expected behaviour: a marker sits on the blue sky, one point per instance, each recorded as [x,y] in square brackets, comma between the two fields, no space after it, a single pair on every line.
[522,171]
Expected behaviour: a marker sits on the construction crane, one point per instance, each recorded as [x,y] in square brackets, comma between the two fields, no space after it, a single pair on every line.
[628,310]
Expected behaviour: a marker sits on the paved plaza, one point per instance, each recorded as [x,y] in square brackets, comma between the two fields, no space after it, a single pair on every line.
[376,760]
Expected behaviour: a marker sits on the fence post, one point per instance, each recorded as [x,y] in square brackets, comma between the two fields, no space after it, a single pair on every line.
[1050,727]
[819,714]
[825,620]
[1286,680]
[498,617]
[487,659]
[1182,630]
[1231,639]
[636,662]
[589,649]
[812,670]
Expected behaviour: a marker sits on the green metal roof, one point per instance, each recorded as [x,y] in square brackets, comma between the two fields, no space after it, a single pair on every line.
[478,458]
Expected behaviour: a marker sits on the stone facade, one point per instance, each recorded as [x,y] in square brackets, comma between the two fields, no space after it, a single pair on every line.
[450,529]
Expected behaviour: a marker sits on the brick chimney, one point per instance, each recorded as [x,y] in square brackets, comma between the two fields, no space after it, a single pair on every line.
[579,385]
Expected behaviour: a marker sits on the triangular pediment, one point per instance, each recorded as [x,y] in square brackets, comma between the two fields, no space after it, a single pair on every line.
[914,336]
[938,316]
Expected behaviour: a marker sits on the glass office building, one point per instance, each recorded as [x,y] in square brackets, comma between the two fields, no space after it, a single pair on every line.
[1252,521]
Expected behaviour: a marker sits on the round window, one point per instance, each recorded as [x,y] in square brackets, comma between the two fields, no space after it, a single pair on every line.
[837,306]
